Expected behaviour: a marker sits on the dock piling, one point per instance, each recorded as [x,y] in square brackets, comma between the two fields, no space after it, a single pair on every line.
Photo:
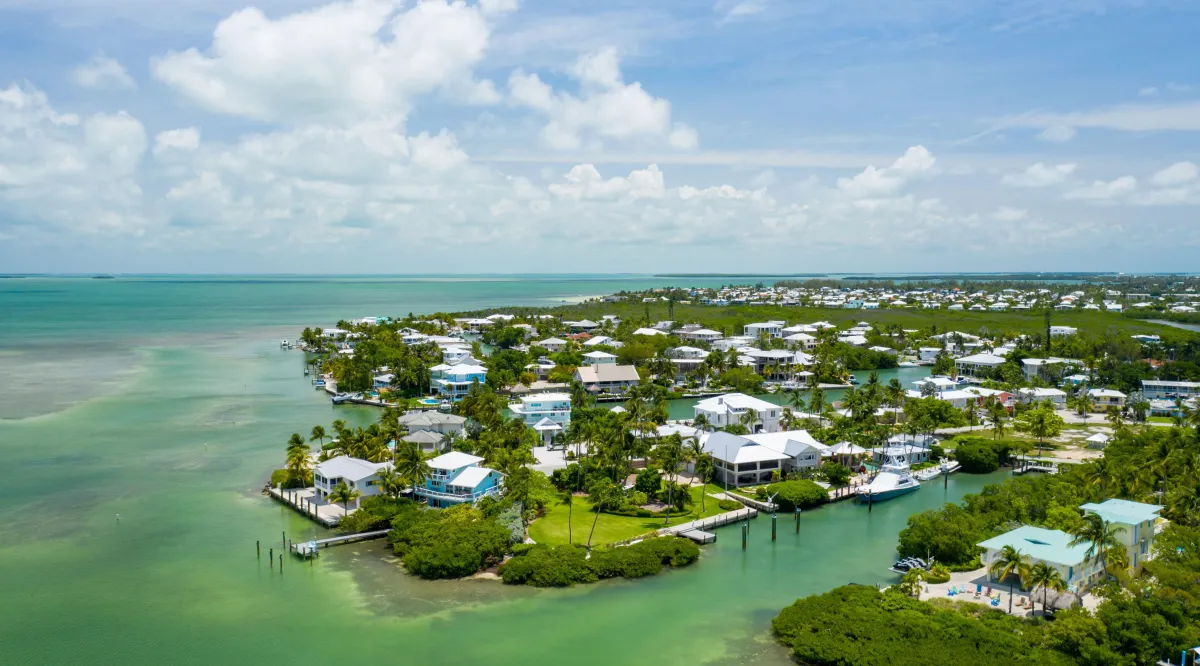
[772,527]
[797,520]
[281,563]
[744,536]
[271,557]
[258,549]
[283,540]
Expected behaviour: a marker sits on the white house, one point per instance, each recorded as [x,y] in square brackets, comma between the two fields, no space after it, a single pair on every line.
[1062,331]
[599,358]
[359,475]
[928,354]
[1102,399]
[687,352]
[649,332]
[728,409]
[453,382]
[433,422]
[978,365]
[773,329]
[701,335]
[802,449]
[801,340]
[552,345]
[1158,389]
[1039,395]
[538,408]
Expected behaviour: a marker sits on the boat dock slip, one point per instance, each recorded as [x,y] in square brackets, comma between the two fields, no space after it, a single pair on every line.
[306,502]
[693,529]
[308,549]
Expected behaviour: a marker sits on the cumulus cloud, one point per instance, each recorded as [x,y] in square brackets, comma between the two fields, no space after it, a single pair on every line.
[1101,190]
[875,182]
[344,60]
[185,139]
[1176,174]
[103,73]
[1009,214]
[606,107]
[1040,175]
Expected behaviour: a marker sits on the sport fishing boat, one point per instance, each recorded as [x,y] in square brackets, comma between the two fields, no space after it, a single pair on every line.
[893,480]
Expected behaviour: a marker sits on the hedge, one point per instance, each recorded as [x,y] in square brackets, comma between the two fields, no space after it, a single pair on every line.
[562,566]
[800,493]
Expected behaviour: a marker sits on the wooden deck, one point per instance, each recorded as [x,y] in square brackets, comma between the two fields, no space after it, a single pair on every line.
[694,529]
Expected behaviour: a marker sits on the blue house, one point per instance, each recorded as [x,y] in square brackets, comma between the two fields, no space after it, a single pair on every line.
[453,381]
[456,477]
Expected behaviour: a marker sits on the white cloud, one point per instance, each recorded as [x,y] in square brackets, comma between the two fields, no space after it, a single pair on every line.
[584,182]
[738,9]
[874,182]
[1058,134]
[185,139]
[1176,174]
[1103,190]
[1181,116]
[1149,91]
[103,73]
[1040,175]
[344,60]
[1009,214]
[606,108]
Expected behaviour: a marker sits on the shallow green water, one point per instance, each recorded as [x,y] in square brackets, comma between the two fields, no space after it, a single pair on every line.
[168,403]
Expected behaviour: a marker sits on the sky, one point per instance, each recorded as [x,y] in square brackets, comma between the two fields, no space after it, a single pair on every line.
[378,136]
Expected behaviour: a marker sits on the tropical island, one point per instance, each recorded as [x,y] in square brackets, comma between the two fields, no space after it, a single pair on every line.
[566,445]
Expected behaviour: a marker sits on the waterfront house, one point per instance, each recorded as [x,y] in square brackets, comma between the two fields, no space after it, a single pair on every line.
[1050,546]
[738,461]
[607,378]
[929,354]
[382,381]
[728,409]
[359,475]
[1102,399]
[453,382]
[802,449]
[1136,519]
[457,477]
[536,408]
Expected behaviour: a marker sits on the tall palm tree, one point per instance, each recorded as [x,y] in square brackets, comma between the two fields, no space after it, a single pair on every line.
[389,482]
[344,495]
[410,464]
[602,493]
[748,418]
[1010,562]
[318,433]
[1099,472]
[704,469]
[1046,577]
[996,414]
[1099,535]
[701,423]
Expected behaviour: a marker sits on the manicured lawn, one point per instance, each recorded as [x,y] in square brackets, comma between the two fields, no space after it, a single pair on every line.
[551,528]
[1159,419]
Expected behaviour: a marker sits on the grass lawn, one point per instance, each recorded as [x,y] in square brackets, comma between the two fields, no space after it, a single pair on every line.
[1159,419]
[551,529]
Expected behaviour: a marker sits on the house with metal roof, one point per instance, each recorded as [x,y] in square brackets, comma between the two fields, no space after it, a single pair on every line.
[458,477]
[1050,546]
[730,408]
[1138,521]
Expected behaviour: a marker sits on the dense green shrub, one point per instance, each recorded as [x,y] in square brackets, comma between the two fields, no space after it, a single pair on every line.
[860,625]
[977,457]
[543,566]
[447,543]
[799,493]
[649,482]
[729,505]
[374,513]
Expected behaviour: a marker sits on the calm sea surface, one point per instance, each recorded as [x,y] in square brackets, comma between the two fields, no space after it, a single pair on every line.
[140,417]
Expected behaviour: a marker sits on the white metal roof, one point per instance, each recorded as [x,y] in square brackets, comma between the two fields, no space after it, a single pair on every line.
[454,460]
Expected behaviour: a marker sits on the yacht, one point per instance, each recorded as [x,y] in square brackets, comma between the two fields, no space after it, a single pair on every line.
[931,473]
[893,480]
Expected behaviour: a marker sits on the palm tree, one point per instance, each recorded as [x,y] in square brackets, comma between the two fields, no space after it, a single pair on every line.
[1046,577]
[996,413]
[297,463]
[389,482]
[1010,562]
[704,469]
[318,433]
[1099,535]
[748,418]
[410,464]
[343,494]
[701,423]
[568,498]
[1099,472]
[603,492]
[670,455]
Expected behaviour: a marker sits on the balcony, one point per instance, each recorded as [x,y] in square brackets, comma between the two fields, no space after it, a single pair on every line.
[458,497]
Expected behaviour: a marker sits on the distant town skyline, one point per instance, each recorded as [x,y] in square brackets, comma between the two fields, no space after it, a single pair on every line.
[498,136]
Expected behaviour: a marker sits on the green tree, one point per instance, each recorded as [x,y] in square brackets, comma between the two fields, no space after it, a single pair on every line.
[602,493]
[1099,536]
[1010,562]
[1041,423]
[410,464]
[318,433]
[1046,577]
[344,495]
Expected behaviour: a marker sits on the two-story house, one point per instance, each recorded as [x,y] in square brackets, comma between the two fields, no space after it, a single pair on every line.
[547,413]
[1102,399]
[453,382]
[607,378]
[1137,523]
[457,477]
[359,475]
[731,408]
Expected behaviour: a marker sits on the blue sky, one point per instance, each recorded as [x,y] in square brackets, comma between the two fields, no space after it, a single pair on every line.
[491,136]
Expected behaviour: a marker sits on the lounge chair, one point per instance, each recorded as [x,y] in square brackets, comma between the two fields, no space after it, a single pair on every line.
[996,602]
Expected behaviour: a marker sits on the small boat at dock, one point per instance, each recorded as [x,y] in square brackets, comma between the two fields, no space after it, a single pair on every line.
[944,467]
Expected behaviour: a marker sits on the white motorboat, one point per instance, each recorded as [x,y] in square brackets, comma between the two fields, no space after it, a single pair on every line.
[931,473]
[894,479]
[908,364]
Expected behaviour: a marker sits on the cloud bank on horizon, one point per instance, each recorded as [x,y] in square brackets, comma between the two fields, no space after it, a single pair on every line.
[492,136]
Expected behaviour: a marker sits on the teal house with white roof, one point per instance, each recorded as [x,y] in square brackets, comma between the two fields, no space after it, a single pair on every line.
[1137,518]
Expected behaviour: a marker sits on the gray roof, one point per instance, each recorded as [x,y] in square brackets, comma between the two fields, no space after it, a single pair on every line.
[420,420]
[423,437]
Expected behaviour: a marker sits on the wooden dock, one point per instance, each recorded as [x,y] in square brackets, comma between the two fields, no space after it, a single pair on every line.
[1045,468]
[312,548]
[694,529]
